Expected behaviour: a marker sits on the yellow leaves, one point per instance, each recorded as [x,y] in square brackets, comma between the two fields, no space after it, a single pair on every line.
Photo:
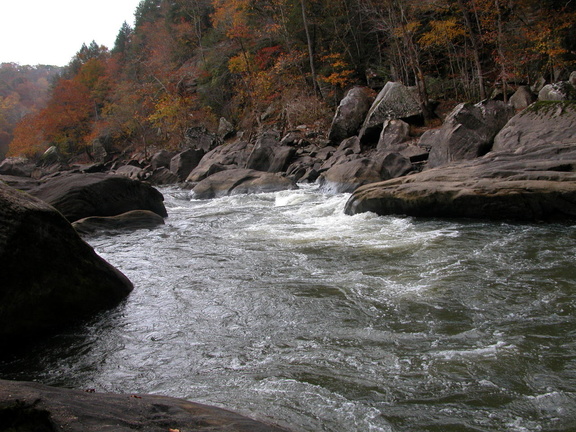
[337,71]
[239,64]
[442,33]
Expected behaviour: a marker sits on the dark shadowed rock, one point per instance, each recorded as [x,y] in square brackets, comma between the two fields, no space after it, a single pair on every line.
[350,114]
[162,176]
[50,277]
[132,220]
[268,155]
[26,406]
[241,181]
[78,196]
[161,159]
[468,132]
[183,163]
[227,156]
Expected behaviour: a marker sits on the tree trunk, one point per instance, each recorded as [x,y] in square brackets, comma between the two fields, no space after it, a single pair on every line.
[310,49]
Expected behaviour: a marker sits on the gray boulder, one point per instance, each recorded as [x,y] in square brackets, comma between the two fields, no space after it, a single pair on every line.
[225,129]
[395,101]
[540,125]
[268,155]
[26,406]
[394,132]
[161,159]
[240,181]
[18,167]
[468,132]
[347,177]
[350,114]
[522,98]
[132,220]
[50,277]
[78,196]
[534,185]
[183,163]
[560,91]
[162,176]
[227,156]
[131,172]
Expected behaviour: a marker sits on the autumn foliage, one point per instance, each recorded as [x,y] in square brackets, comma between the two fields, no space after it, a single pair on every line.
[187,63]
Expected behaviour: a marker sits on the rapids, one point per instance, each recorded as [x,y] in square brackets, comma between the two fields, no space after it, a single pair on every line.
[280,307]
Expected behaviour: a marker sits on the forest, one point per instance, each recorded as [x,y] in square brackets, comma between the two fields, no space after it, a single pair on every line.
[187,63]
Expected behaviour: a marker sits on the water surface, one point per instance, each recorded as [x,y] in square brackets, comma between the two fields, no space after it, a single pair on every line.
[280,307]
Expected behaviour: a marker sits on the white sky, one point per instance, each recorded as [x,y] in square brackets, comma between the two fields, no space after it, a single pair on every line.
[52,31]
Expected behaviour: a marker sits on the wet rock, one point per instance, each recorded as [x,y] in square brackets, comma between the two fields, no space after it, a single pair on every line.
[78,196]
[241,181]
[132,220]
[467,133]
[50,277]
[350,114]
[26,406]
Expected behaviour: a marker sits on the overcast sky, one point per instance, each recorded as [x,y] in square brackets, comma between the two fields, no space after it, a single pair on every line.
[52,31]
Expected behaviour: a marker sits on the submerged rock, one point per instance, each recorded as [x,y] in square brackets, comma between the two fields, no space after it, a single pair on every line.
[241,181]
[50,278]
[26,406]
[132,220]
[78,196]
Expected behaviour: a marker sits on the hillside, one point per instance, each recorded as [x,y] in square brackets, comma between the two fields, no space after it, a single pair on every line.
[188,63]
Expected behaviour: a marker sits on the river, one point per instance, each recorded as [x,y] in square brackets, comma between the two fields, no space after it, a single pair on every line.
[280,307]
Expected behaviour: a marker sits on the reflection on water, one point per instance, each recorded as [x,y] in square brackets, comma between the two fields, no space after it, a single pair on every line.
[282,308]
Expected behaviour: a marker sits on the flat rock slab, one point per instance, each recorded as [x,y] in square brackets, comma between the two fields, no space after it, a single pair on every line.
[28,406]
[535,186]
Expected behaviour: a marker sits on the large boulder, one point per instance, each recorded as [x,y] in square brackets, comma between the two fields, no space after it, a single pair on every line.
[26,406]
[539,125]
[18,167]
[50,277]
[394,133]
[560,91]
[350,114]
[533,184]
[240,181]
[132,220]
[522,98]
[347,177]
[395,101]
[227,156]
[183,163]
[268,155]
[468,132]
[161,159]
[78,196]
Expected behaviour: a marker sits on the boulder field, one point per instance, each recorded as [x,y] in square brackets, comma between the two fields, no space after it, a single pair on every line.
[530,175]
